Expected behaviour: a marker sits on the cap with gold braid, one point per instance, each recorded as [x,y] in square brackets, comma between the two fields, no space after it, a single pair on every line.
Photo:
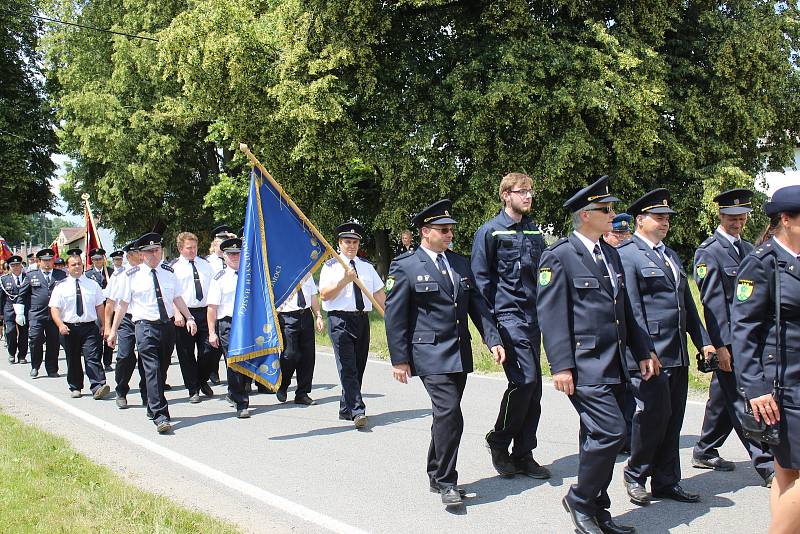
[735,201]
[655,201]
[597,193]
[436,213]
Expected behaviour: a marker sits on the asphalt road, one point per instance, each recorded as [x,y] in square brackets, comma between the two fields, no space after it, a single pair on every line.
[299,469]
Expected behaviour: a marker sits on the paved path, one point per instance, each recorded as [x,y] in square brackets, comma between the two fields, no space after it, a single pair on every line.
[300,469]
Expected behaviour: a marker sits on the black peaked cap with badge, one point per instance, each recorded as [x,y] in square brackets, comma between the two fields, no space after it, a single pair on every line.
[14,260]
[351,230]
[116,254]
[97,253]
[735,201]
[74,252]
[220,231]
[655,201]
[46,254]
[436,213]
[592,194]
[785,199]
[232,245]
[130,247]
[148,241]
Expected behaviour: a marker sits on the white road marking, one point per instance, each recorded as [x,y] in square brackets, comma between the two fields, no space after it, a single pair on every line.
[271,499]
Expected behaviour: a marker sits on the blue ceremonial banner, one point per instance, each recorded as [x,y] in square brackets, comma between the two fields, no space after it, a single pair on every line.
[278,251]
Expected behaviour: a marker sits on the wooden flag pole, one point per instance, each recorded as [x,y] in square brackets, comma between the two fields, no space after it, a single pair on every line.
[243,147]
[85,198]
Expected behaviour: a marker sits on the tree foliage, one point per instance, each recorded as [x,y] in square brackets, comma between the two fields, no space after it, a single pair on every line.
[370,110]
[26,135]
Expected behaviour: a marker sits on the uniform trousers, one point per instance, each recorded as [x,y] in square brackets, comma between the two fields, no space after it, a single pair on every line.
[445,392]
[349,333]
[106,352]
[722,415]
[521,405]
[602,434]
[127,360]
[155,342]
[16,340]
[656,431]
[238,384]
[83,339]
[299,350]
[44,338]
[195,370]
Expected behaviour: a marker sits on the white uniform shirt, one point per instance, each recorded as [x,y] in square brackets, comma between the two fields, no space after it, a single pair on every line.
[64,294]
[222,292]
[332,272]
[140,294]
[185,275]
[309,289]
[216,262]
[113,281]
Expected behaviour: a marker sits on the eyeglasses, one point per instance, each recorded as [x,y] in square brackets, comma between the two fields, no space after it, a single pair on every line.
[522,192]
[604,209]
[446,230]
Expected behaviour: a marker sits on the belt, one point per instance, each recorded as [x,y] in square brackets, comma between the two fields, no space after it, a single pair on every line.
[199,308]
[227,318]
[156,323]
[78,325]
[347,313]
[298,313]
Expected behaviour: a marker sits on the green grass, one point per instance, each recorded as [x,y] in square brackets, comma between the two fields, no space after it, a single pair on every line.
[47,487]
[483,359]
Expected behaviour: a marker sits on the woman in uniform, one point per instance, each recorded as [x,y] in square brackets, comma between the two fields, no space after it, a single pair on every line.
[756,359]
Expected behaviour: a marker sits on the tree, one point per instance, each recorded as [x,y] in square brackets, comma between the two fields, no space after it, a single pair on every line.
[26,128]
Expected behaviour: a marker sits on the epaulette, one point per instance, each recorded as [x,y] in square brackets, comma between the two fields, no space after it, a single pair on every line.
[403,255]
[627,243]
[167,267]
[331,262]
[170,263]
[132,270]
[219,274]
[456,253]
[710,239]
[60,281]
[365,260]
[762,250]
[558,243]
[198,257]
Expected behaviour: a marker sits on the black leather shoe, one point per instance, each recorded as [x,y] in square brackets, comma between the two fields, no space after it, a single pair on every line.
[715,462]
[12,361]
[460,491]
[108,369]
[150,414]
[502,462]
[609,527]
[305,400]
[529,467]
[281,396]
[451,496]
[53,375]
[167,387]
[215,378]
[637,492]
[34,373]
[23,361]
[584,524]
[768,481]
[676,493]
[206,389]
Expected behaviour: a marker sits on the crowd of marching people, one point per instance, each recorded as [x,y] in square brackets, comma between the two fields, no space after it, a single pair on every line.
[610,304]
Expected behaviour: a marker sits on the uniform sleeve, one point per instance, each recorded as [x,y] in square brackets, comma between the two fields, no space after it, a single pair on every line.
[640,341]
[214,293]
[311,287]
[396,315]
[326,276]
[56,298]
[99,297]
[712,295]
[483,319]
[553,310]
[482,261]
[751,314]
[694,325]
[124,292]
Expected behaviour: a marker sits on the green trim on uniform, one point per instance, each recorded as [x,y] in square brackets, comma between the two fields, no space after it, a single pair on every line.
[503,232]
[532,232]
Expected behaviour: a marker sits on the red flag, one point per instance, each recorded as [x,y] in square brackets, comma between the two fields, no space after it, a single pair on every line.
[5,252]
[54,246]
[92,240]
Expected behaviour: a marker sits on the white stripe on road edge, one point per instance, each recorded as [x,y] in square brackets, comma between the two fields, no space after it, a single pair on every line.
[276,501]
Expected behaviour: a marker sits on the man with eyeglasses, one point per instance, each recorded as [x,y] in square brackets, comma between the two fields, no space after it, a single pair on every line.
[587,324]
[663,306]
[505,258]
[348,317]
[430,293]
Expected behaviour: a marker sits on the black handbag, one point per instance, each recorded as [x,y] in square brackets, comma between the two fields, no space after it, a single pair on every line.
[759,430]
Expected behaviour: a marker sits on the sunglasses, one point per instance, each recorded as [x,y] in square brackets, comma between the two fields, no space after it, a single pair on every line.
[442,230]
[604,209]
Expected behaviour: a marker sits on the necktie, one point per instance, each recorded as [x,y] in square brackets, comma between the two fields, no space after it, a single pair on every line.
[301,299]
[598,258]
[660,251]
[739,248]
[78,298]
[47,278]
[198,287]
[19,281]
[448,282]
[162,310]
[357,291]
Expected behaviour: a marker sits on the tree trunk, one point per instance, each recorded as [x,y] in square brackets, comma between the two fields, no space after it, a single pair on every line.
[383,253]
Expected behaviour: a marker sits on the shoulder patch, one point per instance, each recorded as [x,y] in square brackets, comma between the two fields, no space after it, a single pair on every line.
[167,267]
[219,274]
[545,275]
[331,262]
[701,269]
[389,283]
[132,270]
[744,289]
